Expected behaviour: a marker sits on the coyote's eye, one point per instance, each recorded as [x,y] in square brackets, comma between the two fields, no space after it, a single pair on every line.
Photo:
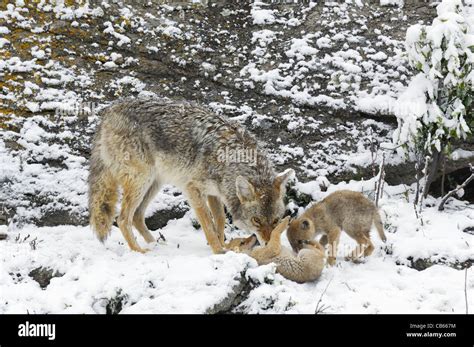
[242,243]
[275,221]
[256,221]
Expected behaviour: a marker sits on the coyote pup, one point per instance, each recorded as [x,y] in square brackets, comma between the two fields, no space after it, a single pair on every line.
[143,144]
[344,209]
[305,266]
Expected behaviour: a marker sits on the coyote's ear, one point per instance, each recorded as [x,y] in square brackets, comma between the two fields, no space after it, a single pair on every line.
[245,190]
[282,178]
[304,224]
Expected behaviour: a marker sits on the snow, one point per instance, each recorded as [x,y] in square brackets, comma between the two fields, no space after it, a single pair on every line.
[398,3]
[181,275]
[441,54]
[300,48]
[3,42]
[461,154]
[324,42]
[377,103]
[260,15]
[333,67]
[378,56]
[122,39]
[375,287]
[177,277]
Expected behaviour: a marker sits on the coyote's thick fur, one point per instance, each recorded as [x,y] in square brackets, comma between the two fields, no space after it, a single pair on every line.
[305,266]
[143,144]
[342,210]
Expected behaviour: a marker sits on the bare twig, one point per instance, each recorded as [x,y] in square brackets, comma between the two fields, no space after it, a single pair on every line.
[392,148]
[430,170]
[322,308]
[417,193]
[383,183]
[373,152]
[452,192]
[418,178]
[426,174]
[443,176]
[161,237]
[465,290]
[418,203]
[379,184]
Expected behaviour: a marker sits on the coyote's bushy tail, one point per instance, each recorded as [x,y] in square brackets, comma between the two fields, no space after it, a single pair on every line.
[103,194]
[379,226]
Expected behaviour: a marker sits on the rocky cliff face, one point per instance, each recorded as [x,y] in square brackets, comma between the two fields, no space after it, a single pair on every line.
[314,81]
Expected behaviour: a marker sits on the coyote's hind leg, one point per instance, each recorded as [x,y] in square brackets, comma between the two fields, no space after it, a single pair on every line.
[134,190]
[139,217]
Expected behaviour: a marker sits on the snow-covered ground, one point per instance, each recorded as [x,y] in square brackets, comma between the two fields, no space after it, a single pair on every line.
[314,81]
[181,275]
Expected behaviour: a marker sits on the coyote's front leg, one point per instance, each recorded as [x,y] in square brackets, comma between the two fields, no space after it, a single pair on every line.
[198,203]
[217,210]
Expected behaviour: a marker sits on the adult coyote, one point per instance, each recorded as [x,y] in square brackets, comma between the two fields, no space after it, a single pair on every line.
[143,144]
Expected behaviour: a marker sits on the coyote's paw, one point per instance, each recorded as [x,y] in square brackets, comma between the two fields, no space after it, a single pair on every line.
[358,260]
[219,250]
[140,250]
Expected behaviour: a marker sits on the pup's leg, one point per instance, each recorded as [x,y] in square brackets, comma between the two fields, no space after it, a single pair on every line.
[198,203]
[316,244]
[369,246]
[139,217]
[273,246]
[364,246]
[333,241]
[275,236]
[323,240]
[217,210]
[359,249]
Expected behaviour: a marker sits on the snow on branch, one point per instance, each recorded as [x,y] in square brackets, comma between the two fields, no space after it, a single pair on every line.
[454,191]
[437,105]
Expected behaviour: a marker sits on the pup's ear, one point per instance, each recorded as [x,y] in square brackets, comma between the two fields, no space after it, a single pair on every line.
[244,189]
[304,224]
[251,241]
[282,178]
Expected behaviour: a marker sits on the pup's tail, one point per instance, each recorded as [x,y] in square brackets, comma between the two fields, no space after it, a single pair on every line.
[379,226]
[103,195]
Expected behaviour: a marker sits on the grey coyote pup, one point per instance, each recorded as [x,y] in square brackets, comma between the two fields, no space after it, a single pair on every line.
[142,144]
[307,265]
